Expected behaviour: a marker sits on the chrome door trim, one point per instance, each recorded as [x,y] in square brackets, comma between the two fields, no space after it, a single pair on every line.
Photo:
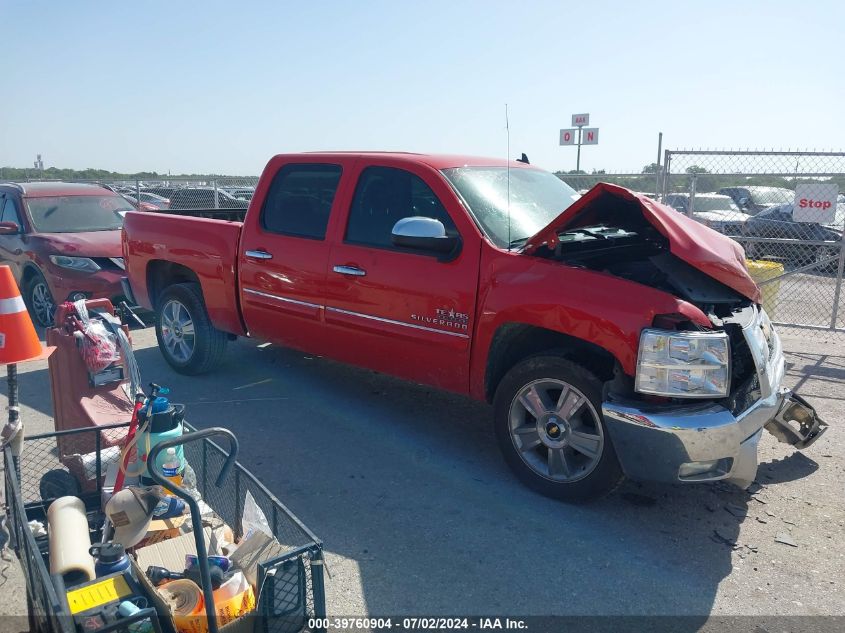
[258,254]
[267,295]
[392,322]
[349,270]
[370,317]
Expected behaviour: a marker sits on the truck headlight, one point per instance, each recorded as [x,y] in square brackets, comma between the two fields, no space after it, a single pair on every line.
[79,264]
[684,364]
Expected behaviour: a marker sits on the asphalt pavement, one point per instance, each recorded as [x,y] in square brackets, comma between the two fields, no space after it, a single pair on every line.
[420,516]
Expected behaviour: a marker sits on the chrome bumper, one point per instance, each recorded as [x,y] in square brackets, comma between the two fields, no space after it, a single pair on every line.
[709,442]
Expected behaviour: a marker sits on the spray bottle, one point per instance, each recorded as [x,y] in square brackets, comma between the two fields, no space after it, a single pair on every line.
[163,421]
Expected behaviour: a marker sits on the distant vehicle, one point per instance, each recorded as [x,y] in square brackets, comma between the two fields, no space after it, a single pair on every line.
[203,198]
[778,222]
[159,202]
[711,209]
[62,242]
[241,194]
[753,199]
[164,192]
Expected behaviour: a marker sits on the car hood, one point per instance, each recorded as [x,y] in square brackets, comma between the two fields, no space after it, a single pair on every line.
[88,244]
[699,246]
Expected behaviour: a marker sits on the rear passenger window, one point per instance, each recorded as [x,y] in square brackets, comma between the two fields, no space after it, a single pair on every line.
[300,200]
[384,196]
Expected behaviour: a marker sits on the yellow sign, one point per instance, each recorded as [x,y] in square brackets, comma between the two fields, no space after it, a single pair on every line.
[98,594]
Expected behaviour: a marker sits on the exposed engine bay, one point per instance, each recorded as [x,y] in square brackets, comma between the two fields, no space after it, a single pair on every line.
[640,254]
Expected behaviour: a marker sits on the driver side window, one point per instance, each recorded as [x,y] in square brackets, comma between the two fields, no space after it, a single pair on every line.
[10,212]
[385,195]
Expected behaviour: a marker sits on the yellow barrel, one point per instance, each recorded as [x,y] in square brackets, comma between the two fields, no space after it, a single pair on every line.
[760,271]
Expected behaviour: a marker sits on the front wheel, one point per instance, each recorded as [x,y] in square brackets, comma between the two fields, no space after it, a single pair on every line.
[189,342]
[827,258]
[550,429]
[40,301]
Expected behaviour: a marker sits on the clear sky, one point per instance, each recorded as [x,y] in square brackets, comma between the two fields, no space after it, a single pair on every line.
[220,86]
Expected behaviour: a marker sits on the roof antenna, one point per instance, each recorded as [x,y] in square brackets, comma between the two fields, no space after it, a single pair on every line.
[508,163]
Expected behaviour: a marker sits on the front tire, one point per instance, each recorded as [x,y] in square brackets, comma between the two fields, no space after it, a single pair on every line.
[188,341]
[551,432]
[40,300]
[825,253]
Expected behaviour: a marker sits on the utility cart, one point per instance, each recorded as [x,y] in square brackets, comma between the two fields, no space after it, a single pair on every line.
[291,592]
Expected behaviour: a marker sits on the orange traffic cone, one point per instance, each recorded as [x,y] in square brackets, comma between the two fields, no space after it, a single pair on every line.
[18,340]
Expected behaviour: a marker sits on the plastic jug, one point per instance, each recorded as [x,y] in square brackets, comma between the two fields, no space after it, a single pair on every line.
[165,423]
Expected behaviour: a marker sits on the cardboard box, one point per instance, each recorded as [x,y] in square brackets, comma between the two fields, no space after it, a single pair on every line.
[164,529]
[170,554]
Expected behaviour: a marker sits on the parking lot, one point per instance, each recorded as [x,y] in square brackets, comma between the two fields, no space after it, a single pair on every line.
[419,513]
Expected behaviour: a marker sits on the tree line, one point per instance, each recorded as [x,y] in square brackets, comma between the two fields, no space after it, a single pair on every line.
[56,173]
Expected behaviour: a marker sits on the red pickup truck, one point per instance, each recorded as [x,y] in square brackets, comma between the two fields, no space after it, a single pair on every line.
[613,335]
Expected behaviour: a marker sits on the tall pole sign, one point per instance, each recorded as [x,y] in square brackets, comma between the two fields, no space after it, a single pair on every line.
[579,134]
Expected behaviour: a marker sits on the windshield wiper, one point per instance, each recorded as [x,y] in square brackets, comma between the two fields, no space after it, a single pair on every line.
[517,243]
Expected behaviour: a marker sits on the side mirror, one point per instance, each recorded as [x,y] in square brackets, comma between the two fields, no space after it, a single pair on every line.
[743,202]
[426,234]
[9,228]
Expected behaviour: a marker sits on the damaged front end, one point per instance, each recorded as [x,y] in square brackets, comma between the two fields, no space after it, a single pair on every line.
[690,429]
[797,423]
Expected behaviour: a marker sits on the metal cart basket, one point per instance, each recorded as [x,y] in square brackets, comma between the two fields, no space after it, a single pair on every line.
[292,588]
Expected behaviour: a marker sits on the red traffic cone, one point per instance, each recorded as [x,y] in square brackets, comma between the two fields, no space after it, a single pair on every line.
[18,340]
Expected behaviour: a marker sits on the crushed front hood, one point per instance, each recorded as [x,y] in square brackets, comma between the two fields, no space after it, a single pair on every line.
[699,246]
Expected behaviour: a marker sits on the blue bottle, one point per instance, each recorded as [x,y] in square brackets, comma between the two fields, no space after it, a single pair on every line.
[110,558]
[165,423]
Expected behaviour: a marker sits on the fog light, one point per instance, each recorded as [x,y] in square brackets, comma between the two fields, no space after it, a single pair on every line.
[78,296]
[705,470]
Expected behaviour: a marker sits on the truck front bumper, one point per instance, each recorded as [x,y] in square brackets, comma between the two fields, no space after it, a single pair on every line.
[710,441]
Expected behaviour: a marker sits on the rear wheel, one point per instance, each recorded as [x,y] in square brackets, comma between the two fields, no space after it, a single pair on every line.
[550,429]
[187,339]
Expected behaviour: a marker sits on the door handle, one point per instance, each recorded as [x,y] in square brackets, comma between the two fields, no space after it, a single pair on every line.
[352,271]
[258,254]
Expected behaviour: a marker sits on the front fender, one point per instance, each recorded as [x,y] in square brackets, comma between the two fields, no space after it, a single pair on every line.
[592,306]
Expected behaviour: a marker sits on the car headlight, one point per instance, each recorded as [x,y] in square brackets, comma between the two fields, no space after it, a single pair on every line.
[79,264]
[684,364]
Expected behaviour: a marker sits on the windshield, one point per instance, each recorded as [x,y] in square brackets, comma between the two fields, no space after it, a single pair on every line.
[77,214]
[536,198]
[715,203]
[772,195]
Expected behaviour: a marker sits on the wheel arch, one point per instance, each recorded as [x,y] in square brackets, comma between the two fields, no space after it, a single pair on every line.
[30,269]
[514,342]
[162,273]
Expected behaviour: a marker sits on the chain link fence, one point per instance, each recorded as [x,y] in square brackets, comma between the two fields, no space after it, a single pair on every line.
[793,243]
[787,210]
[216,197]
[647,183]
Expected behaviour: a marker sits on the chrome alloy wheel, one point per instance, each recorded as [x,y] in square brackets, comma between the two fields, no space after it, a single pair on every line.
[556,430]
[177,331]
[42,304]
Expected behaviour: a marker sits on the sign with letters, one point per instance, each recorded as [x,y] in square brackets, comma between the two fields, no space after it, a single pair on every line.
[590,136]
[568,137]
[815,203]
[580,120]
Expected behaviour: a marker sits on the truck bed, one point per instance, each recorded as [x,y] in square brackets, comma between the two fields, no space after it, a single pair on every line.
[197,249]
[231,215]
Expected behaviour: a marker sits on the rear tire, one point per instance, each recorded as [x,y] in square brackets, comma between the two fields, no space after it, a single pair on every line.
[188,341]
[551,432]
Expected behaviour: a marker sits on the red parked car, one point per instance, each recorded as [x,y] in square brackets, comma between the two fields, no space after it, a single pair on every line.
[62,242]
[613,335]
